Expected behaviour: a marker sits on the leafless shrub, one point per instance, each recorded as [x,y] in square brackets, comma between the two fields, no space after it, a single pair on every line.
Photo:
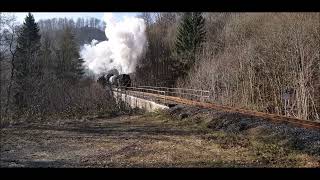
[62,99]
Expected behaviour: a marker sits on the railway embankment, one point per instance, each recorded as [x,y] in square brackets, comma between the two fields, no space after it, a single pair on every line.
[284,134]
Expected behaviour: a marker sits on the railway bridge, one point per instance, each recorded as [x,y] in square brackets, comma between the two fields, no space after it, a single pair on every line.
[152,98]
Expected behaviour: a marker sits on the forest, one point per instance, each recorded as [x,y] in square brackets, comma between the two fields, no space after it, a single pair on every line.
[269,62]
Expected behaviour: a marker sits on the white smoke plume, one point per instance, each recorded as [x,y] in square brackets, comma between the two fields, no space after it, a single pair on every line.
[125,44]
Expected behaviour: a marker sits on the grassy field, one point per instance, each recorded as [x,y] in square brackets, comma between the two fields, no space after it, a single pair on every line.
[147,140]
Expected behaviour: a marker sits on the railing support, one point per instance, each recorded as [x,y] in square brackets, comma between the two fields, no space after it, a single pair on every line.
[163,92]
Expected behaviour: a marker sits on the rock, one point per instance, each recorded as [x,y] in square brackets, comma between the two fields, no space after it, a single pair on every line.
[183,115]
[175,109]
[171,105]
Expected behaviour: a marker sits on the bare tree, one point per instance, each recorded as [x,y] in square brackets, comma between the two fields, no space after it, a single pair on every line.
[262,61]
[8,50]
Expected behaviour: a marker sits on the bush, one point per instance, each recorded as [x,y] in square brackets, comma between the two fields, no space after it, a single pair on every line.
[64,99]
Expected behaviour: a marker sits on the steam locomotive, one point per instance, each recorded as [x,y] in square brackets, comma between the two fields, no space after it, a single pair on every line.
[122,80]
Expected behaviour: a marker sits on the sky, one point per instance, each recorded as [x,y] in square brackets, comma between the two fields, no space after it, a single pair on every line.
[99,15]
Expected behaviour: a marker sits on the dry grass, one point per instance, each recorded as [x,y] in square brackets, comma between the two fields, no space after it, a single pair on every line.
[150,140]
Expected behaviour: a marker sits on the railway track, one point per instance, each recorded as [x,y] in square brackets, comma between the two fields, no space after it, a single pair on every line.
[165,99]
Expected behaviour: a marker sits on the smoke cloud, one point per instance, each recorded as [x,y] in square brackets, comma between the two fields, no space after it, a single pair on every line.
[125,44]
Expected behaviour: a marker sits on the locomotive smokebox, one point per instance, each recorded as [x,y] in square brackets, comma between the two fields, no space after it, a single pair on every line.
[120,80]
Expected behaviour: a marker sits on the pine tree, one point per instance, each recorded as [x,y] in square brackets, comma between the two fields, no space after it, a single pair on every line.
[183,42]
[69,64]
[27,63]
[191,34]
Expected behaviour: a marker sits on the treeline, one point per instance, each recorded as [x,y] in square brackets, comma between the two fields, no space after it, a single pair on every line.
[58,23]
[85,29]
[42,73]
[261,61]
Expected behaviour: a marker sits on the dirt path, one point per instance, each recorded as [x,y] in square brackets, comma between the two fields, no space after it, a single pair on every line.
[132,141]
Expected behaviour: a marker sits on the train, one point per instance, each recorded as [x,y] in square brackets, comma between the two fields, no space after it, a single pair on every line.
[121,80]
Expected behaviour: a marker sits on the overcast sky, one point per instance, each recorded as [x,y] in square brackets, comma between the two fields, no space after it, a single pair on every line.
[21,15]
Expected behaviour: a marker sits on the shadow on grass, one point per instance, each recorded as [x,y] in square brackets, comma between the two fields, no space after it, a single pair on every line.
[112,128]
[65,164]
[191,164]
[36,164]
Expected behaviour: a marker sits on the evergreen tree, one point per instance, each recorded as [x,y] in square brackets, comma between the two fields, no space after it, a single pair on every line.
[183,42]
[27,62]
[191,34]
[69,64]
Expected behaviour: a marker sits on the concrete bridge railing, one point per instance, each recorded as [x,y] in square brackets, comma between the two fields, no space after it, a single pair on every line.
[136,102]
